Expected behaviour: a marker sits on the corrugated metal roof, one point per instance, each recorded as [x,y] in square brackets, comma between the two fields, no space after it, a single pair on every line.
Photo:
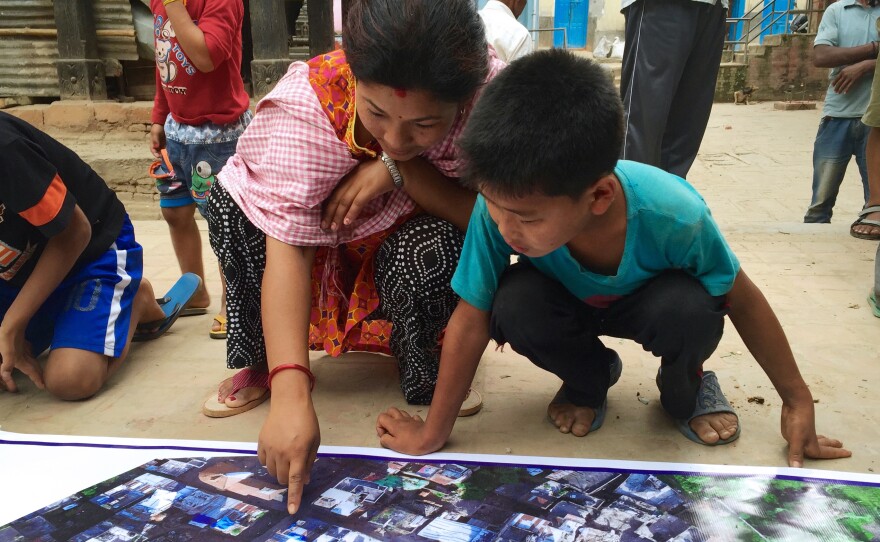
[27,61]
[115,29]
[29,48]
[26,14]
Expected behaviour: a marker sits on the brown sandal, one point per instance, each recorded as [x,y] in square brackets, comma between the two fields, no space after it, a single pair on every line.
[245,378]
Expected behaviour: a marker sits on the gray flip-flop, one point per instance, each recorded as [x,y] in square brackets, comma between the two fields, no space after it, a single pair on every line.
[710,400]
[861,220]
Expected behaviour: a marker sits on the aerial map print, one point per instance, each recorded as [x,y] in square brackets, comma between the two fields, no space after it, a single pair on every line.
[364,499]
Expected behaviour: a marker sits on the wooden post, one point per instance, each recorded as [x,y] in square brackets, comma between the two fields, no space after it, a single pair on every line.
[271,52]
[80,71]
[320,26]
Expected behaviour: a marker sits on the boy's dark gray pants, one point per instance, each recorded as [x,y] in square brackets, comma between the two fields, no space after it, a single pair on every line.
[672,316]
[670,64]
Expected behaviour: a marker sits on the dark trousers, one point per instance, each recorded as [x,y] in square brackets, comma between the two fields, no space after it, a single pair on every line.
[414,267]
[672,316]
[670,64]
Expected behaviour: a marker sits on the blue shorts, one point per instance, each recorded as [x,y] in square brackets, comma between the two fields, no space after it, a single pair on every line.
[91,309]
[197,154]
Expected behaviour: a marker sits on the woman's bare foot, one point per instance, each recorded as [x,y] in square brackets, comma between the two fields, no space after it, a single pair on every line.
[569,418]
[711,428]
[241,397]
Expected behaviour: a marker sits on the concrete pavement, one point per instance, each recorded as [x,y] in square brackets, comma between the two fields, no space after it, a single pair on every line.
[754,170]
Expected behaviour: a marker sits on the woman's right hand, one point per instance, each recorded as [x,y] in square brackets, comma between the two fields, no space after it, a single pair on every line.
[157,140]
[366,182]
[288,444]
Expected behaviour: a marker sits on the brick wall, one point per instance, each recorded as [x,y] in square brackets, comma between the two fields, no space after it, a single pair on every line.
[782,68]
[731,77]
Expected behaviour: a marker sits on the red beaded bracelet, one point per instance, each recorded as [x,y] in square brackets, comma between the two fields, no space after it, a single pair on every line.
[296,367]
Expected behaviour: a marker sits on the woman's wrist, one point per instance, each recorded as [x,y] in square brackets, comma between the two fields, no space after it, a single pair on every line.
[291,382]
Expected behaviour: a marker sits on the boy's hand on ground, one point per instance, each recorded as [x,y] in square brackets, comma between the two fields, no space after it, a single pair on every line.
[798,428]
[403,433]
[362,185]
[288,445]
[157,140]
[15,353]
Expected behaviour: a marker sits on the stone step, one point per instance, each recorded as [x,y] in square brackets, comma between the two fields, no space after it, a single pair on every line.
[124,165]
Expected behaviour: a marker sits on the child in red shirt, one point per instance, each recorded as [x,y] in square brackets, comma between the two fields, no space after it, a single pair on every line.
[200,110]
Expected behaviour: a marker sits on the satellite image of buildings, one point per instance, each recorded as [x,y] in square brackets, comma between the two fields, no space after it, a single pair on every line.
[354,499]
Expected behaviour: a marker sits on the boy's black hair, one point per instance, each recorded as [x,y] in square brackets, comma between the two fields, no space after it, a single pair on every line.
[549,123]
[434,45]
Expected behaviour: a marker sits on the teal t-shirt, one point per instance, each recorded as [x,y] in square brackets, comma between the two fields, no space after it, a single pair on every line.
[668,227]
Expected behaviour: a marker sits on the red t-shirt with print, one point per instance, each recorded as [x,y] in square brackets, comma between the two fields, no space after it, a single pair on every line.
[193,97]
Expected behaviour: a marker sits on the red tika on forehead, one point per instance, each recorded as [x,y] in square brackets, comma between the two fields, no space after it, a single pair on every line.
[400,92]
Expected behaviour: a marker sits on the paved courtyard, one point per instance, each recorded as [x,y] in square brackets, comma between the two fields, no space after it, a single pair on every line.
[755,172]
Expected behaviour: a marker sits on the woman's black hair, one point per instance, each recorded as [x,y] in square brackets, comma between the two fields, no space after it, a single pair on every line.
[434,45]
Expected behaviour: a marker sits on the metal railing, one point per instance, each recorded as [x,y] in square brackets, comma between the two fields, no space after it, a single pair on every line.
[753,25]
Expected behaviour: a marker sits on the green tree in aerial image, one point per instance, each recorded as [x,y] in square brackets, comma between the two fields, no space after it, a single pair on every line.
[484,482]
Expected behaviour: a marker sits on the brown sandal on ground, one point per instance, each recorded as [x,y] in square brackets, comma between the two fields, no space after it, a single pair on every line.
[245,378]
[473,403]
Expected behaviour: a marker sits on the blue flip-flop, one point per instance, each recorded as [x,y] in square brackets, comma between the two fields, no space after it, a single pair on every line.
[174,302]
[187,311]
[710,400]
[616,370]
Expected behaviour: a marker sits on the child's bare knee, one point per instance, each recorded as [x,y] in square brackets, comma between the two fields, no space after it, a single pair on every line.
[73,390]
[72,379]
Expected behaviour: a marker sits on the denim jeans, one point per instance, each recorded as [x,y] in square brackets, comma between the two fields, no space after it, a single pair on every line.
[838,140]
[197,154]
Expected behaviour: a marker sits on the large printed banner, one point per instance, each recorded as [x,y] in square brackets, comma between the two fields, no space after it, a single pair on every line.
[55,488]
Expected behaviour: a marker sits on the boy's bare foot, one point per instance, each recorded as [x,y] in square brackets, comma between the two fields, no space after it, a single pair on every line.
[146,308]
[569,418]
[711,428]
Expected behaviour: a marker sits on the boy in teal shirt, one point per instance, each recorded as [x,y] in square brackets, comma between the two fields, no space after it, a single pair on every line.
[605,248]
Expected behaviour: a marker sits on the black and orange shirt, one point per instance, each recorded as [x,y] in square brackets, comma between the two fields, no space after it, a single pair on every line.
[41,181]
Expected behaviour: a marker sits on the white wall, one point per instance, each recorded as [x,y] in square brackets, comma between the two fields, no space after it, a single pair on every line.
[546,8]
[611,20]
